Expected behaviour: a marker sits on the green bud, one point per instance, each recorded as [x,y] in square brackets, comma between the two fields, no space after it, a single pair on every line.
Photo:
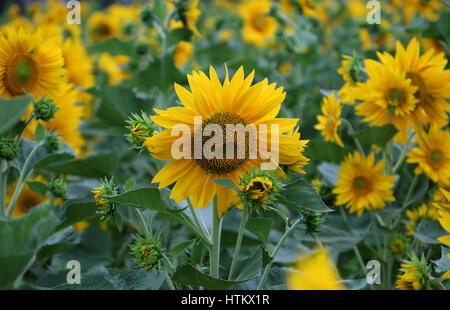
[44,109]
[8,149]
[52,141]
[147,17]
[129,28]
[398,244]
[140,128]
[58,188]
[313,221]
[147,253]
[142,49]
[105,208]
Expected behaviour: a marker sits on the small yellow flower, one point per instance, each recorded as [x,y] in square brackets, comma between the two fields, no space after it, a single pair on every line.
[362,185]
[330,120]
[432,154]
[315,272]
[416,214]
[99,199]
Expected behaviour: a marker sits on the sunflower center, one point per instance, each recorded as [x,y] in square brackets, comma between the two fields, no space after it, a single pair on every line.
[259,22]
[395,97]
[421,93]
[360,183]
[224,165]
[102,30]
[22,72]
[436,156]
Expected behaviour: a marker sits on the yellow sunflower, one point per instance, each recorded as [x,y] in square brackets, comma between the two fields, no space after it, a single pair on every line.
[183,52]
[102,26]
[77,62]
[428,74]
[233,102]
[417,214]
[432,154]
[346,93]
[388,96]
[362,185]
[315,272]
[26,62]
[426,8]
[113,67]
[330,120]
[259,27]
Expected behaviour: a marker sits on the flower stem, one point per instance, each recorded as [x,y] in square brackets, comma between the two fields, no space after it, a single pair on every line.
[21,182]
[405,202]
[274,254]
[196,221]
[215,249]
[146,229]
[238,242]
[4,169]
[169,281]
[351,131]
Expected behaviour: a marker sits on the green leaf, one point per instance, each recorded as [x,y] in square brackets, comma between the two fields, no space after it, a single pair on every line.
[443,264]
[39,133]
[260,227]
[375,135]
[428,232]
[159,8]
[188,275]
[38,187]
[176,250]
[12,111]
[129,184]
[320,151]
[300,194]
[226,183]
[114,46]
[74,211]
[59,242]
[94,166]
[21,240]
[250,268]
[181,34]
[147,198]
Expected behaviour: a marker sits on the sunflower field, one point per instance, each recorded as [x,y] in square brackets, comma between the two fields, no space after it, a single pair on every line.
[225,144]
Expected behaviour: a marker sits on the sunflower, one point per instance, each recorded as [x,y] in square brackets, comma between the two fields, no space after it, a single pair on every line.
[416,274]
[183,52]
[67,119]
[259,27]
[27,199]
[388,96]
[102,26]
[330,120]
[233,102]
[432,154]
[415,215]
[426,8]
[362,185]
[350,74]
[428,74]
[113,67]
[188,13]
[78,63]
[314,272]
[27,63]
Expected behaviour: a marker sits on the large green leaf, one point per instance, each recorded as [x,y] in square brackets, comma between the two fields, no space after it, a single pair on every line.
[188,275]
[320,150]
[260,227]
[11,111]
[375,135]
[114,46]
[74,211]
[21,239]
[443,264]
[250,267]
[301,194]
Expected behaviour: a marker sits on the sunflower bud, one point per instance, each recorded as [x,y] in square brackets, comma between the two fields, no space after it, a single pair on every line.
[142,49]
[258,187]
[140,128]
[147,17]
[105,209]
[398,244]
[416,274]
[129,28]
[44,109]
[147,253]
[52,141]
[8,149]
[313,221]
[58,188]
[355,69]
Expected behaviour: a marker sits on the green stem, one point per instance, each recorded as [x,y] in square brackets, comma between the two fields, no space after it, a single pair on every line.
[361,262]
[274,254]
[196,221]
[238,243]
[375,231]
[352,132]
[402,156]
[141,217]
[4,169]
[405,202]
[25,126]
[21,182]
[169,281]
[215,249]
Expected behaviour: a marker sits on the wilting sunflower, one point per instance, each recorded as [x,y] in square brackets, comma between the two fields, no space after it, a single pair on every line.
[234,102]
[388,96]
[433,154]
[67,119]
[315,272]
[428,74]
[259,27]
[362,185]
[26,62]
[330,120]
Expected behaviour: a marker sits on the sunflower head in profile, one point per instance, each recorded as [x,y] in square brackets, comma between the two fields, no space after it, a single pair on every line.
[234,102]
[362,185]
[29,64]
[259,27]
[329,121]
[314,272]
[429,75]
[388,96]
[432,154]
